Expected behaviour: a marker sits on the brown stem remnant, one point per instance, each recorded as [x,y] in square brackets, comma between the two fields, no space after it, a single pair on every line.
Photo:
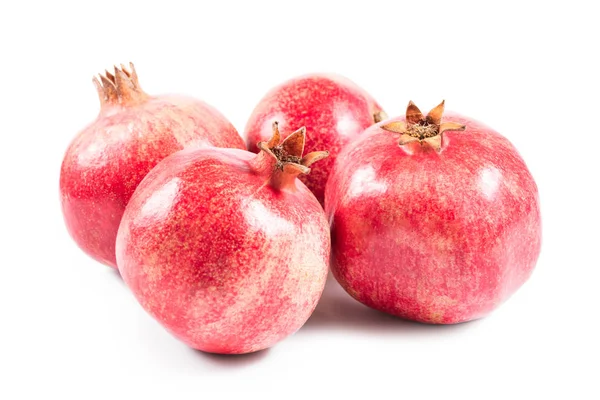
[286,156]
[120,88]
[427,129]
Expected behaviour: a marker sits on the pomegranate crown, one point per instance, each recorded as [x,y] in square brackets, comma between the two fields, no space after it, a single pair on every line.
[426,129]
[121,87]
[288,153]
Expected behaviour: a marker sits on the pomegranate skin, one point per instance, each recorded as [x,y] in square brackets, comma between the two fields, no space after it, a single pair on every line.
[435,237]
[108,159]
[222,259]
[333,108]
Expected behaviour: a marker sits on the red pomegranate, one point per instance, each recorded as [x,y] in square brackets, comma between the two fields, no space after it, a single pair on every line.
[108,159]
[226,248]
[432,224]
[333,108]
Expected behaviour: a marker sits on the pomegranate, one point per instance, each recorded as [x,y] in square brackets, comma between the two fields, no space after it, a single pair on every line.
[226,248]
[429,223]
[333,108]
[108,159]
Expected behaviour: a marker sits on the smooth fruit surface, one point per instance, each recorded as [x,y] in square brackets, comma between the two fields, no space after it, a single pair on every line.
[226,248]
[440,229]
[108,159]
[332,108]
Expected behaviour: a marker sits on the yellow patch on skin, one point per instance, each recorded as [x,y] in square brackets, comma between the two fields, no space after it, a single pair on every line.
[440,304]
[436,317]
[352,292]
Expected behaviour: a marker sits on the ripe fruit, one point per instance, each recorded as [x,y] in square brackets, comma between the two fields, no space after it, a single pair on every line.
[334,109]
[431,224]
[108,159]
[226,248]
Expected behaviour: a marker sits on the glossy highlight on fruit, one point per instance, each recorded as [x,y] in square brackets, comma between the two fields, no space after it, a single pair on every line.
[227,249]
[332,108]
[434,219]
[107,160]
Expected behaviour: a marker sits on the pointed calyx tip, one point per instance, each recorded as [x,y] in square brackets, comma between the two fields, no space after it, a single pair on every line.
[120,87]
[289,151]
[379,116]
[425,129]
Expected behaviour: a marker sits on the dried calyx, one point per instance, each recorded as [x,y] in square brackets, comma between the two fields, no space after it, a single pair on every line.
[380,116]
[288,153]
[119,88]
[424,129]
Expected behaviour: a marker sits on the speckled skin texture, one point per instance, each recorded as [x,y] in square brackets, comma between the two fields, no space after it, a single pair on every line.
[433,237]
[224,260]
[333,109]
[109,158]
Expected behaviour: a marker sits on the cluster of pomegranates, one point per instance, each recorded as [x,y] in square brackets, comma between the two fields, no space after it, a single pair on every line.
[433,218]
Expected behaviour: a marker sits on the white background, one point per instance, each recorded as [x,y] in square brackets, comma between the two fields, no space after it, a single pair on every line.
[70,328]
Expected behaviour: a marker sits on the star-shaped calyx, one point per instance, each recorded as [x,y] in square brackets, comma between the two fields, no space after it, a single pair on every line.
[121,87]
[424,129]
[288,153]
